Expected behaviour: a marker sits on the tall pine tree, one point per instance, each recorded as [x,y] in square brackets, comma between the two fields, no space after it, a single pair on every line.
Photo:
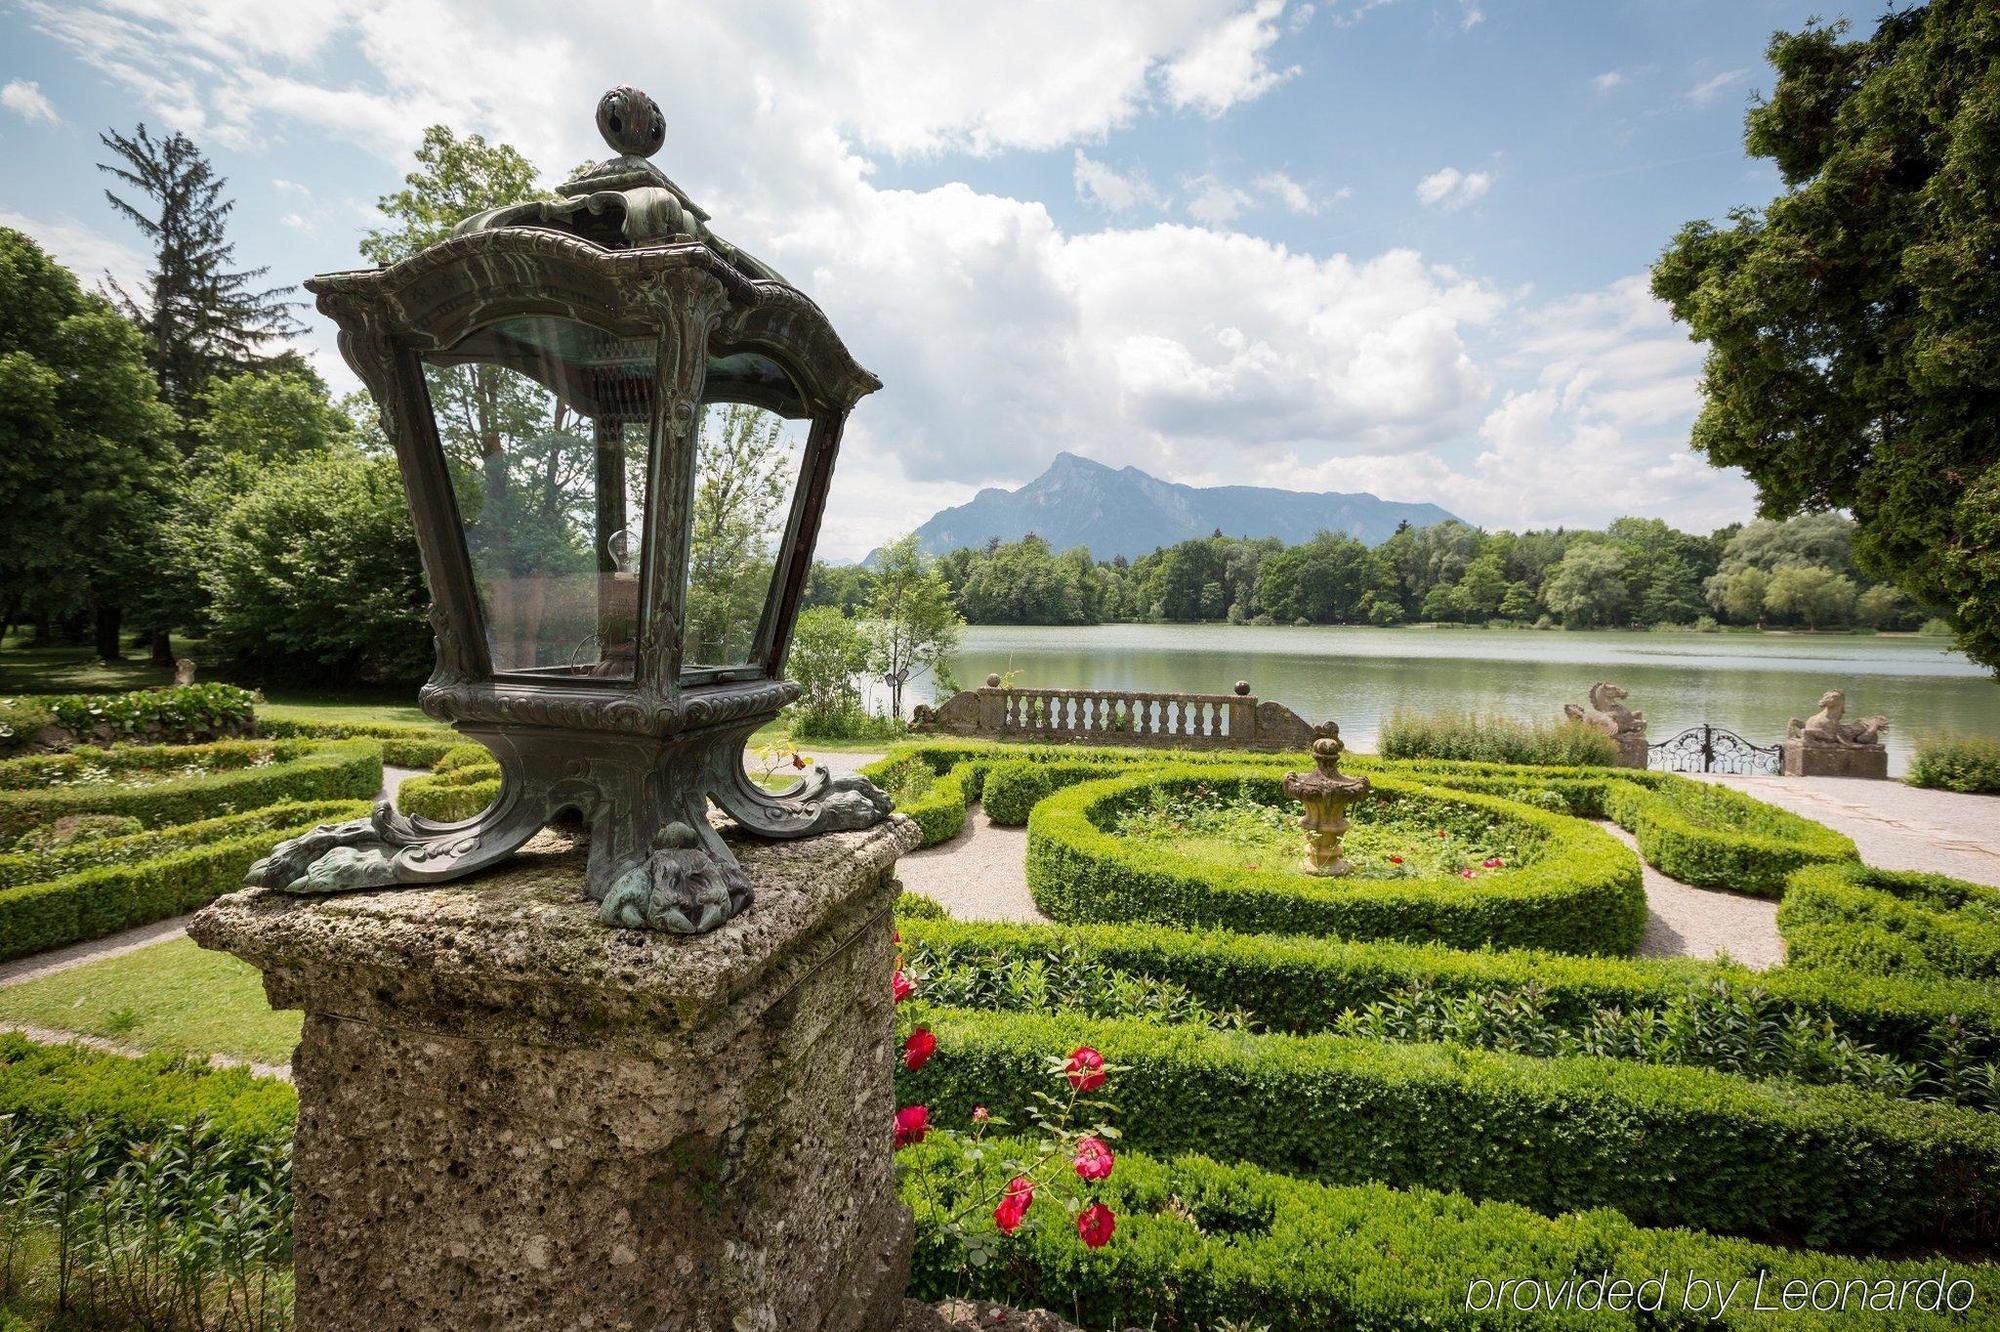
[205,317]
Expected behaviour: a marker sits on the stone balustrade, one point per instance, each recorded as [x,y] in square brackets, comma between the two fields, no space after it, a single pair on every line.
[1118,717]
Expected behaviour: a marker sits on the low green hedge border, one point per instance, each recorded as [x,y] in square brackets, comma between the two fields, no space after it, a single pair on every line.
[402,746]
[40,866]
[180,714]
[1713,837]
[1203,1244]
[95,902]
[1583,893]
[1891,922]
[1301,985]
[463,780]
[50,1089]
[1664,1145]
[301,770]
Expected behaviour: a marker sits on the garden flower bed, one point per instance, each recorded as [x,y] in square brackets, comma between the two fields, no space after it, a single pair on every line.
[1526,878]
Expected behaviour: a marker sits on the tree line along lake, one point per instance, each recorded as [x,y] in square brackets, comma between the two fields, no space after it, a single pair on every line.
[1752,684]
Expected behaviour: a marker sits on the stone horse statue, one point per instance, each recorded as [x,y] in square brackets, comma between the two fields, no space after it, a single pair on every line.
[1609,714]
[1825,727]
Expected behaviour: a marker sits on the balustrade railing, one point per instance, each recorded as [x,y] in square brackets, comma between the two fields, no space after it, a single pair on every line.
[1118,716]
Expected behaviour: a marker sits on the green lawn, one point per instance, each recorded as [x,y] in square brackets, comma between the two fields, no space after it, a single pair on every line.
[169,996]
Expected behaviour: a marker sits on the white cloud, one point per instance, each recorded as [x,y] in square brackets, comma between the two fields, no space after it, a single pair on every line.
[1608,80]
[299,222]
[291,187]
[1100,184]
[1471,18]
[1452,189]
[1000,337]
[1282,188]
[1701,94]
[1212,201]
[26,100]
[1229,63]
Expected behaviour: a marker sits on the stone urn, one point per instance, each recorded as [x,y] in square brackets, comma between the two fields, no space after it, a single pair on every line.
[1326,793]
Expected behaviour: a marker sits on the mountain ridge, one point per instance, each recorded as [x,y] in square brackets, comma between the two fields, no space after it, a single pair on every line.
[1129,512]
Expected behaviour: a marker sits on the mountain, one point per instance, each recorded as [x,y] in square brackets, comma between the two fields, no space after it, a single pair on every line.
[1123,511]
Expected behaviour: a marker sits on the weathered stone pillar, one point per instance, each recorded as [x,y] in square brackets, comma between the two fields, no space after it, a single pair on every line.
[513,1117]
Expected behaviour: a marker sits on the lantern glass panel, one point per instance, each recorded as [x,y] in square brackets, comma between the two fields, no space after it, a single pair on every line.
[546,424]
[748,451]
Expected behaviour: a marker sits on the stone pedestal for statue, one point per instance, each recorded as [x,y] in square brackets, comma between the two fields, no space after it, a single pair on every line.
[511,1116]
[1804,759]
[1631,749]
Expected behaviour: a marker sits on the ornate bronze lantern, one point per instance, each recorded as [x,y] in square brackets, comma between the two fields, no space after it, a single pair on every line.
[617,432]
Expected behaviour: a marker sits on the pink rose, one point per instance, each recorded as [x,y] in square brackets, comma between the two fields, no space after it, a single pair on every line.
[902,985]
[1093,1158]
[1085,1069]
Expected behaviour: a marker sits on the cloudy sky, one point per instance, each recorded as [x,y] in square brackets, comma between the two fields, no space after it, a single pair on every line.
[1386,245]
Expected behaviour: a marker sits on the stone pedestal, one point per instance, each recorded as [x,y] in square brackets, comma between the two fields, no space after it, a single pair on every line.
[1804,760]
[513,1117]
[1631,750]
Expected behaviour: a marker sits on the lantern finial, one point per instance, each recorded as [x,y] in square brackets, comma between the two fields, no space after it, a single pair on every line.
[631,122]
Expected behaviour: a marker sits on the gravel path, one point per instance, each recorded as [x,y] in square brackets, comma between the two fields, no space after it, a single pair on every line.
[1685,921]
[1895,826]
[981,874]
[49,1036]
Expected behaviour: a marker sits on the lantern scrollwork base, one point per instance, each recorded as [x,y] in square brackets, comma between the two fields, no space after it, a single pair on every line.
[655,861]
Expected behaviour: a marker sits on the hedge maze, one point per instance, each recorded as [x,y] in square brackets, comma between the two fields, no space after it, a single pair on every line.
[1465,1079]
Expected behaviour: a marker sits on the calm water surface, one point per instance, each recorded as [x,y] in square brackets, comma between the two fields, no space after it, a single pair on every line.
[1752,684]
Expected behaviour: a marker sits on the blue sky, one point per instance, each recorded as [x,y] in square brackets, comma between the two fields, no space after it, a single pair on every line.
[1387,245]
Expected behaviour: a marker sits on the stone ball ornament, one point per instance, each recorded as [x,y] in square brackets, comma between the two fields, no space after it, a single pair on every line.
[631,122]
[590,644]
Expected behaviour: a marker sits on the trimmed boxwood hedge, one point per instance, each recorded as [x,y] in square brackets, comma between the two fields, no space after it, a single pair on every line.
[1203,1244]
[301,770]
[1664,1145]
[1713,837]
[1583,893]
[95,902]
[1301,985]
[40,866]
[402,746]
[1889,921]
[53,1088]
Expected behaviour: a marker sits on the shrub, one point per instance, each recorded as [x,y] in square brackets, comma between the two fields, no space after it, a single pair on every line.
[1493,739]
[1201,1244]
[137,845]
[22,721]
[1713,837]
[1889,921]
[1582,893]
[1672,1146]
[402,746]
[184,714]
[314,573]
[1969,763]
[51,1089]
[1301,985]
[76,828]
[92,903]
[299,770]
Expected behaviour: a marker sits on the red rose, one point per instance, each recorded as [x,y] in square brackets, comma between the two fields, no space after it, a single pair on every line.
[912,1123]
[895,936]
[917,1051]
[1441,832]
[1085,1069]
[1093,1158]
[1014,1204]
[1493,863]
[1395,860]
[1095,1224]
[902,985]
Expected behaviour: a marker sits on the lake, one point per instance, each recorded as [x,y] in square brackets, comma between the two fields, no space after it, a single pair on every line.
[1750,683]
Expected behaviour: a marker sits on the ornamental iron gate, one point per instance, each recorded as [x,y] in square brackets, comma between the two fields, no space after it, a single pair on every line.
[1712,749]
